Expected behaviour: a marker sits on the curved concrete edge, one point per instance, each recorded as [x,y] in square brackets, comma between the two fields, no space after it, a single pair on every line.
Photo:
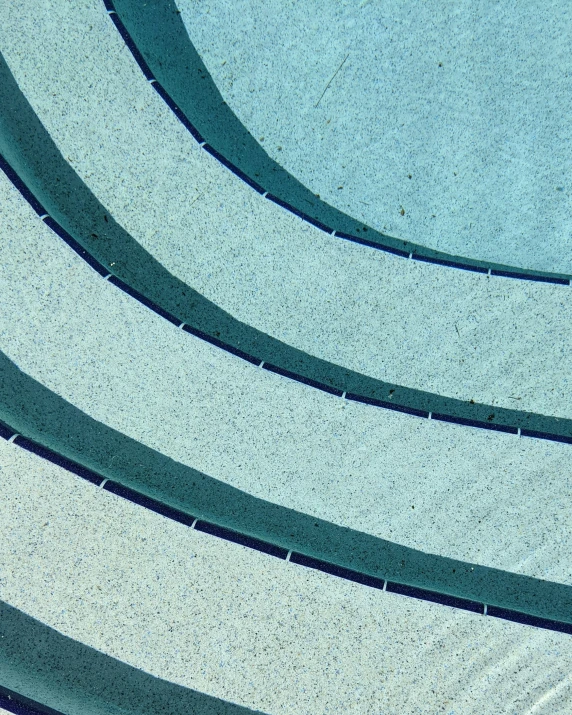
[155,34]
[222,619]
[372,313]
[41,422]
[46,673]
[32,162]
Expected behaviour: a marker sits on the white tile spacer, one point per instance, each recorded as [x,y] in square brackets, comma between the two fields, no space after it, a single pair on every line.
[102,484]
[485,613]
[193,524]
[288,556]
[261,364]
[43,217]
[12,438]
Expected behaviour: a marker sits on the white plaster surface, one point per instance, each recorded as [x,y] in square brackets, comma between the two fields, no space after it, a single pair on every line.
[472,99]
[246,627]
[485,497]
[496,341]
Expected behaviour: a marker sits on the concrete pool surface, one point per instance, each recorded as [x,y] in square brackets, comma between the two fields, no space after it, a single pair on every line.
[243,630]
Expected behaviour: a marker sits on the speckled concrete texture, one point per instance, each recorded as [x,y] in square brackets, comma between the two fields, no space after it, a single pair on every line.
[496,341]
[245,627]
[459,114]
[486,497]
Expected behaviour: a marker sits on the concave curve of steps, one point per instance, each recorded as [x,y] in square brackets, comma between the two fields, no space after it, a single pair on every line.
[127,368]
[56,188]
[273,637]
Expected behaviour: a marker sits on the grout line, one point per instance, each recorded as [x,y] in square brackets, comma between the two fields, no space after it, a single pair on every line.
[12,438]
[343,395]
[384,585]
[108,276]
[103,483]
[181,326]
[43,217]
[151,81]
[430,415]
[111,12]
[485,612]
[489,272]
[265,194]
[519,432]
[261,364]
[411,255]
[202,144]
[193,524]
[288,557]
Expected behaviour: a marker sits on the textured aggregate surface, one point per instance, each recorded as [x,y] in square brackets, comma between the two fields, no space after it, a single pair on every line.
[488,497]
[247,628]
[493,340]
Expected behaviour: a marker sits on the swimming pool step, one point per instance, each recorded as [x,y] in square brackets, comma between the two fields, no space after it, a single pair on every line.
[423,326]
[226,621]
[441,488]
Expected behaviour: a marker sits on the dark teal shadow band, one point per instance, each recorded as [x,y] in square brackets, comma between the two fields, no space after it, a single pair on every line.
[158,39]
[30,409]
[43,671]
[48,182]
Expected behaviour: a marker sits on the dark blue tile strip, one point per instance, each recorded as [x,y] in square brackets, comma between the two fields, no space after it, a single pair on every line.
[178,112]
[145,301]
[137,56]
[450,263]
[475,423]
[545,435]
[530,277]
[509,615]
[109,5]
[299,213]
[20,705]
[372,244]
[58,459]
[242,539]
[317,224]
[235,170]
[442,598]
[387,405]
[304,380]
[220,344]
[76,247]
[21,186]
[347,574]
[149,503]
[6,432]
